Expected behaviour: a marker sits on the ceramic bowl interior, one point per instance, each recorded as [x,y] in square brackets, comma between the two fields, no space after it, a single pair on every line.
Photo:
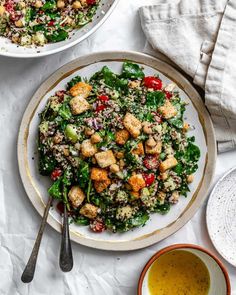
[219,280]
[7,48]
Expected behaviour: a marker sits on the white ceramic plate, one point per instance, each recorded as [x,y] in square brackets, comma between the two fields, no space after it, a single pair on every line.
[160,226]
[7,48]
[221,216]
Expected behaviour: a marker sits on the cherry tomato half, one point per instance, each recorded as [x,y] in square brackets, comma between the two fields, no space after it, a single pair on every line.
[97,226]
[100,108]
[103,97]
[168,94]
[151,162]
[149,178]
[91,2]
[153,82]
[56,173]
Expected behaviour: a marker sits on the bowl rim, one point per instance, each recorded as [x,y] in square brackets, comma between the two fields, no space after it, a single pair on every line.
[67,46]
[179,246]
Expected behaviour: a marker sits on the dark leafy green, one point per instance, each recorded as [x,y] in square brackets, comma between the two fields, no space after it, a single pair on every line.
[132,71]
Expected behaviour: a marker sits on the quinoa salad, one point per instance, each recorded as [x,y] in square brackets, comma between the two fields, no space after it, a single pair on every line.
[117,149]
[37,22]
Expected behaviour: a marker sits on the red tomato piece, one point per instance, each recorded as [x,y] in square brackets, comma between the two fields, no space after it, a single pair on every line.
[97,226]
[91,2]
[149,178]
[151,162]
[51,23]
[103,97]
[11,10]
[56,173]
[100,108]
[168,94]
[153,82]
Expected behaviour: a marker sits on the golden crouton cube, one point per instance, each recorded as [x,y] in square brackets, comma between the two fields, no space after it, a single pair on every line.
[81,89]
[122,136]
[137,182]
[76,196]
[79,105]
[168,110]
[164,176]
[190,178]
[139,150]
[132,124]
[89,211]
[155,149]
[105,159]
[99,174]
[168,164]
[100,186]
[88,149]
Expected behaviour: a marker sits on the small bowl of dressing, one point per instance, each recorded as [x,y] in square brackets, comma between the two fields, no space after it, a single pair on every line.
[184,269]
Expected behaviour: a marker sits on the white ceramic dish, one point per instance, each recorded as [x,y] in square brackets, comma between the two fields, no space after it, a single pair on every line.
[160,226]
[221,212]
[219,279]
[7,48]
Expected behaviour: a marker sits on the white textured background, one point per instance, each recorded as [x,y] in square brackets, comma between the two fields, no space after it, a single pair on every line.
[95,272]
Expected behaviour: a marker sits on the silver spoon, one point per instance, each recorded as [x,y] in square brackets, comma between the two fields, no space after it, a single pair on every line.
[28,273]
[66,257]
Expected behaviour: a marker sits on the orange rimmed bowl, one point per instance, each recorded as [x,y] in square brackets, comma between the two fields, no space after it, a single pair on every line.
[219,278]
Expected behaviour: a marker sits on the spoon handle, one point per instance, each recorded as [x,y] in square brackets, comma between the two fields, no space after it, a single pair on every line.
[66,257]
[29,270]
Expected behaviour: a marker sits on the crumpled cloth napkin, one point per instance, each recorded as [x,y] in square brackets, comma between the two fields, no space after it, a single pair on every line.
[199,37]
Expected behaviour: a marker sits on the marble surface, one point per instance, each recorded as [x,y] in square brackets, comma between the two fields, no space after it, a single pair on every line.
[95,272]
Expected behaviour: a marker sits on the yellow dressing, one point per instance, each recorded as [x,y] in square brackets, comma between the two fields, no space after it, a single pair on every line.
[178,273]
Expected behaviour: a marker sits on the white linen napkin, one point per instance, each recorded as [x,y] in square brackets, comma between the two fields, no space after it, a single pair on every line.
[199,37]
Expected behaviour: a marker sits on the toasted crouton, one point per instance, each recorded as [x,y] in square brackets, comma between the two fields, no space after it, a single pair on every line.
[100,186]
[88,149]
[155,149]
[132,124]
[79,105]
[76,196]
[105,159]
[89,211]
[137,182]
[81,89]
[168,110]
[139,150]
[99,174]
[122,136]
[168,164]
[190,178]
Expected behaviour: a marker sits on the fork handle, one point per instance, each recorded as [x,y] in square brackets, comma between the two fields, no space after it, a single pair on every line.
[29,270]
[66,256]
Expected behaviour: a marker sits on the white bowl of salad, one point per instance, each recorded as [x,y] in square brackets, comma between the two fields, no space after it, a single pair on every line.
[43,27]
